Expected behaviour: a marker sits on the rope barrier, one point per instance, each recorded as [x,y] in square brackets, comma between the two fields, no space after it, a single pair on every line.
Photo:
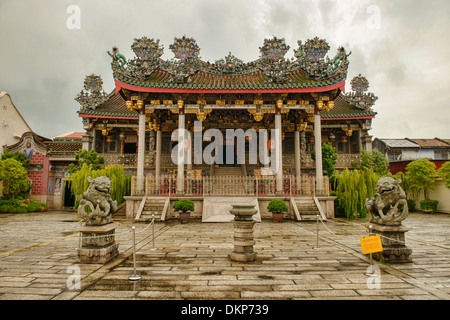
[407,236]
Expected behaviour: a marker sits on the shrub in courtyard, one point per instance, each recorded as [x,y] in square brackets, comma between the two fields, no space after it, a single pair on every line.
[21,206]
[183,205]
[36,206]
[14,177]
[277,205]
[429,205]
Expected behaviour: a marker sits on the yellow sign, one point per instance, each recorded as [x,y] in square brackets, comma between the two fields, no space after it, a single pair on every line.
[371,244]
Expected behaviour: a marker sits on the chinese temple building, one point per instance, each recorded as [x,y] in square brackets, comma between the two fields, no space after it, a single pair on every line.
[296,104]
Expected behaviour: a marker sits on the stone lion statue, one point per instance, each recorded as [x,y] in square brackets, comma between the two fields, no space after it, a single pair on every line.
[96,207]
[384,206]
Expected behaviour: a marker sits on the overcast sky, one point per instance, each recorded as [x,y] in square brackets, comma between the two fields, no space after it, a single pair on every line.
[400,46]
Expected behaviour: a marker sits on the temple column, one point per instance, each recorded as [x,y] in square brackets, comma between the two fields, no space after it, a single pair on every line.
[318,146]
[181,146]
[158,158]
[278,148]
[141,149]
[297,160]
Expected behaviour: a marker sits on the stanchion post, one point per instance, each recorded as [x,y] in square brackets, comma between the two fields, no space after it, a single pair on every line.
[372,271]
[153,235]
[134,276]
[317,232]
[370,233]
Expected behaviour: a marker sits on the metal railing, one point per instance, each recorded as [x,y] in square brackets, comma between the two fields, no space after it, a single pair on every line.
[206,185]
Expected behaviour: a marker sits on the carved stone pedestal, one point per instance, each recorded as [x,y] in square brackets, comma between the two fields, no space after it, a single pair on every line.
[243,233]
[98,244]
[393,242]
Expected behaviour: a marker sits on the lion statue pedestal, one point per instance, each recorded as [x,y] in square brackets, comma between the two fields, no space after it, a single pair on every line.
[388,209]
[98,243]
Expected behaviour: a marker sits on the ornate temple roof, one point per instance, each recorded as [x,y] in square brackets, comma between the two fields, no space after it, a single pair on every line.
[309,71]
[115,107]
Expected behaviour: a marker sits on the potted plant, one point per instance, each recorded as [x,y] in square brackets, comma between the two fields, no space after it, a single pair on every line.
[277,207]
[429,206]
[184,208]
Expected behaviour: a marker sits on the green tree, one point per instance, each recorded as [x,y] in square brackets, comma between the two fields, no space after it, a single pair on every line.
[329,158]
[353,188]
[90,158]
[421,176]
[120,183]
[374,160]
[444,173]
[14,177]
[21,157]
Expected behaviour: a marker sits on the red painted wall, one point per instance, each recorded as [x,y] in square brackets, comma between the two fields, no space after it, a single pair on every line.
[39,178]
[398,166]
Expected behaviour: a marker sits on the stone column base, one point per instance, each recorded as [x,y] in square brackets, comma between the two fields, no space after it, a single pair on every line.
[243,242]
[98,244]
[393,242]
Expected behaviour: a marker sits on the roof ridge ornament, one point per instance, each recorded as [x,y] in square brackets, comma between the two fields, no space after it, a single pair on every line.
[94,94]
[311,57]
[272,62]
[229,64]
[147,49]
[274,49]
[148,53]
[359,97]
[185,48]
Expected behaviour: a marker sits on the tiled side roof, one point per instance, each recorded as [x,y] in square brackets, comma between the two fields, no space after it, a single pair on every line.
[65,147]
[431,143]
[343,109]
[399,143]
[115,106]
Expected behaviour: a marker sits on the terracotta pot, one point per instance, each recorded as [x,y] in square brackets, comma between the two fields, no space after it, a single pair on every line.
[184,216]
[277,216]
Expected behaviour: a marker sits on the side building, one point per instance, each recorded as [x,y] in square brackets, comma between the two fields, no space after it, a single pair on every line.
[49,161]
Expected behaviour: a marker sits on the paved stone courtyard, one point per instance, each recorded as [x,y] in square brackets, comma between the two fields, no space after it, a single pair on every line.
[38,260]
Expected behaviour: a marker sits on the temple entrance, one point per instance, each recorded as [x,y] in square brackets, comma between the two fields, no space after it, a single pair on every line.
[229,158]
[69,199]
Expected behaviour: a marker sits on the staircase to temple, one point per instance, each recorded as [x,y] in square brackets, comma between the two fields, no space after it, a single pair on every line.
[152,206]
[307,209]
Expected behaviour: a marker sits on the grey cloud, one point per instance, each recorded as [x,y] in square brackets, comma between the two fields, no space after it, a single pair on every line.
[43,64]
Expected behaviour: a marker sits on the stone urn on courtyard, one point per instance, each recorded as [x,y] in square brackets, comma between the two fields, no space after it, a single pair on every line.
[243,233]
[388,209]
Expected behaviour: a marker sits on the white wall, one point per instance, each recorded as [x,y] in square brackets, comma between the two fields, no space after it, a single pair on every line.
[12,125]
[425,154]
[441,194]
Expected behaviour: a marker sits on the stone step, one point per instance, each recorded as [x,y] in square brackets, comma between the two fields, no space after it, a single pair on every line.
[153,207]
[149,217]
